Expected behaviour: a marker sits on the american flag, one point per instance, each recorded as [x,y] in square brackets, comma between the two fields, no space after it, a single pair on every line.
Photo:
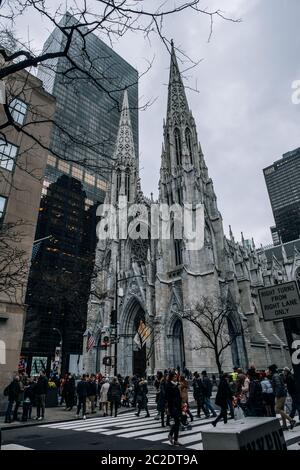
[35,249]
[90,342]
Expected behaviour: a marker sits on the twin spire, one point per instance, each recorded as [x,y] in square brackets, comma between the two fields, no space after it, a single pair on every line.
[177,102]
[124,149]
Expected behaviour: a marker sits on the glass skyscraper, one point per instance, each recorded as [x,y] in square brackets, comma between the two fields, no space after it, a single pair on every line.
[88,105]
[283,183]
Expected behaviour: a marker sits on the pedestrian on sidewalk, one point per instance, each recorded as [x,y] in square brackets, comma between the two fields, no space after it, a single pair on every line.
[12,391]
[268,396]
[157,381]
[41,392]
[103,399]
[255,401]
[29,396]
[114,396]
[223,395]
[280,396]
[141,398]
[162,401]
[69,392]
[199,395]
[184,393]
[208,386]
[289,380]
[92,392]
[82,393]
[174,406]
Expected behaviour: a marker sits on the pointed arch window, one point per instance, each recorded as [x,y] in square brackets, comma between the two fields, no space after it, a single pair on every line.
[177,252]
[118,183]
[188,139]
[127,183]
[178,146]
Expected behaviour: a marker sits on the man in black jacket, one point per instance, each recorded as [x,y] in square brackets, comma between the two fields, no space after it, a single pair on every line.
[12,391]
[82,393]
[207,385]
[199,396]
[289,379]
[41,392]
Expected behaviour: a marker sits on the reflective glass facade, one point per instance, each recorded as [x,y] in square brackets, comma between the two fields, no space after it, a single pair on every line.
[283,183]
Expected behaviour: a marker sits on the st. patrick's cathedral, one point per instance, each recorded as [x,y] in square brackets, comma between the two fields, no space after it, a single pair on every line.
[155,281]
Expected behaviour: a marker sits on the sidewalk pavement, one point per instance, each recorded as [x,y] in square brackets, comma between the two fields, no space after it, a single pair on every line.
[52,415]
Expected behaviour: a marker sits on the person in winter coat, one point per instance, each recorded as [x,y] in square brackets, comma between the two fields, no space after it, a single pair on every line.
[92,392]
[255,401]
[184,393]
[280,396]
[199,395]
[29,396]
[114,396]
[157,381]
[69,392]
[289,380]
[174,407]
[141,398]
[103,399]
[162,401]
[223,395]
[207,385]
[41,392]
[82,393]
[12,391]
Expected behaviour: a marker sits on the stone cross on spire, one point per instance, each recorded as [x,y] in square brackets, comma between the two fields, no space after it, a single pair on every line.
[177,102]
[124,149]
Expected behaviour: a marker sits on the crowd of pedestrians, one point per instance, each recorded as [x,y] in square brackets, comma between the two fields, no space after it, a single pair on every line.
[251,394]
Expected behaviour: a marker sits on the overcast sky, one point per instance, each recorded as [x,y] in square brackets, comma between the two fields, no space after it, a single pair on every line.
[243,109]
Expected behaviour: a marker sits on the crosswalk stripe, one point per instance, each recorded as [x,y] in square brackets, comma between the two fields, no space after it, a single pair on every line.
[132,428]
[101,420]
[164,435]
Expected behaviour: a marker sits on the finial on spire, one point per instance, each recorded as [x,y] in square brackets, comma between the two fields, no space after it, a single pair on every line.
[230,233]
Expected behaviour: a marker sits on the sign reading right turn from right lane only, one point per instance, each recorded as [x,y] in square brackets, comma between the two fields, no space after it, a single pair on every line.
[280,301]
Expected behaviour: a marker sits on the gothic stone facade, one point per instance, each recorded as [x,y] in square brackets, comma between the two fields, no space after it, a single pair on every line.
[156,280]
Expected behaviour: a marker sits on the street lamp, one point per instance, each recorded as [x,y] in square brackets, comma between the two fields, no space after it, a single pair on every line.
[60,349]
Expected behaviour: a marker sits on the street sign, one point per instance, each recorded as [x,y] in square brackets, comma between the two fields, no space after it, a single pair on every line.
[280,301]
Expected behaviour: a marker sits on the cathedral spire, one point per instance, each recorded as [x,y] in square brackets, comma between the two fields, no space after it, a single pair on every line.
[177,102]
[124,150]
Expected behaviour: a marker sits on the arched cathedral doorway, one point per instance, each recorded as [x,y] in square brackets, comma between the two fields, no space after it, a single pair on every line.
[139,354]
[132,358]
[178,345]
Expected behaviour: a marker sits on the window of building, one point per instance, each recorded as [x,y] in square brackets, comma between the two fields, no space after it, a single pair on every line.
[188,139]
[178,253]
[118,182]
[178,146]
[89,179]
[101,184]
[51,160]
[18,110]
[127,183]
[8,154]
[63,166]
[2,207]
[77,173]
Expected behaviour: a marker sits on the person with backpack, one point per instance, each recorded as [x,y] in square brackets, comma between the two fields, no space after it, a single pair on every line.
[207,385]
[12,391]
[199,395]
[289,380]
[255,401]
[280,396]
[267,395]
